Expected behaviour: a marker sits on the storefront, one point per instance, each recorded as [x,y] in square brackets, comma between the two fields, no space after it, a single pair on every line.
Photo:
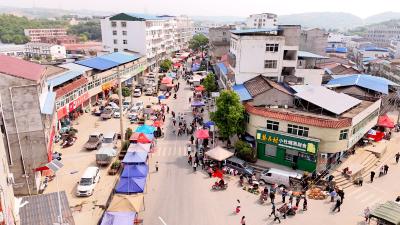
[72,110]
[288,150]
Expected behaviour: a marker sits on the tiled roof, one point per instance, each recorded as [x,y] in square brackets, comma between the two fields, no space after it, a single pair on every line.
[261,84]
[71,86]
[21,68]
[297,118]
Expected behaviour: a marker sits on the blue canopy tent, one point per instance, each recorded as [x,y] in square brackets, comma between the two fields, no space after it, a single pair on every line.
[136,157]
[162,97]
[197,104]
[195,67]
[209,124]
[131,185]
[140,170]
[146,129]
[118,218]
[171,74]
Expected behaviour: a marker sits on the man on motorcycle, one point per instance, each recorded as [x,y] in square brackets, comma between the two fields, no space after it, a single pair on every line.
[221,183]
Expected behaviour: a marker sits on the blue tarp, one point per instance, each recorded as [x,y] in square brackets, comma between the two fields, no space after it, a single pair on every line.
[195,67]
[118,218]
[131,185]
[140,170]
[337,50]
[222,68]
[48,106]
[98,63]
[64,77]
[197,104]
[136,157]
[171,74]
[146,129]
[375,49]
[209,123]
[243,93]
[374,83]
[120,57]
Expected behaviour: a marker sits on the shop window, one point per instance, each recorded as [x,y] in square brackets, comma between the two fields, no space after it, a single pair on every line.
[270,150]
[307,157]
[272,125]
[290,155]
[343,134]
[298,130]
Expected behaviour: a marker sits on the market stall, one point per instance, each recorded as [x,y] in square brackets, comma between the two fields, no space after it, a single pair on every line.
[387,213]
[218,153]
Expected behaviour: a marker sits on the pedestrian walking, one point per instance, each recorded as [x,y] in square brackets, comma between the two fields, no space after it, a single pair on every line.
[385,169]
[372,176]
[272,197]
[291,198]
[172,113]
[367,213]
[333,194]
[305,204]
[194,166]
[210,171]
[157,166]
[189,149]
[337,205]
[243,221]
[273,211]
[191,139]
[341,195]
[298,200]
[284,193]
[190,160]
[381,171]
[190,99]
[397,157]
[167,109]
[173,121]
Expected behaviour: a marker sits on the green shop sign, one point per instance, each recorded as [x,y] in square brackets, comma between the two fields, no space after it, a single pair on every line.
[289,142]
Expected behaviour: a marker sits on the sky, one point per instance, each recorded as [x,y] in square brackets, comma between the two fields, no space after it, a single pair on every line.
[239,8]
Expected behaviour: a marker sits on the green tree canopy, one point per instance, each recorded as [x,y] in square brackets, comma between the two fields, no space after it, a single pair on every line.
[209,83]
[166,65]
[126,92]
[91,29]
[229,114]
[198,41]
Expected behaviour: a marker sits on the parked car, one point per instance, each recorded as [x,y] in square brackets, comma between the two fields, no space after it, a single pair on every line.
[94,141]
[107,113]
[279,177]
[110,139]
[138,86]
[126,105]
[137,93]
[117,113]
[137,106]
[105,155]
[240,165]
[149,91]
[88,181]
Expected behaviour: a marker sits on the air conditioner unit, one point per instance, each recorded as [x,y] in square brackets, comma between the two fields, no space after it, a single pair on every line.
[10,179]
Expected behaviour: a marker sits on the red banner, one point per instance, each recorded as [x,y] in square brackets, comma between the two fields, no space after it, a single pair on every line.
[77,102]
[50,145]
[61,112]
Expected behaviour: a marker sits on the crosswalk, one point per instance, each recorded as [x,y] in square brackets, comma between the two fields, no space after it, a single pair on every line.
[171,150]
[367,197]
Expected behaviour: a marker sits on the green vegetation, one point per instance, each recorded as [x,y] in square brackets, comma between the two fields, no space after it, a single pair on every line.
[245,151]
[165,65]
[128,134]
[229,114]
[12,27]
[198,41]
[209,83]
[126,92]
[90,29]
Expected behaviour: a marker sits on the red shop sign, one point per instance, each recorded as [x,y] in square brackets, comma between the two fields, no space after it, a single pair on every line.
[61,112]
[77,102]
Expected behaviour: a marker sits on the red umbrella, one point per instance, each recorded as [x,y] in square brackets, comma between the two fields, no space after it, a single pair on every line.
[158,123]
[202,134]
[166,80]
[143,139]
[218,173]
[200,88]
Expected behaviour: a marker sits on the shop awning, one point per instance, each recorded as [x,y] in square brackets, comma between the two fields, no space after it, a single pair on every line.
[218,153]
[142,138]
[389,212]
[167,80]
[118,218]
[131,185]
[385,121]
[197,104]
[139,147]
[200,88]
[202,134]
[145,129]
[126,203]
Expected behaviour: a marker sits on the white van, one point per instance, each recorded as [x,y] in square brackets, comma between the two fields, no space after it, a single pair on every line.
[110,139]
[279,177]
[88,181]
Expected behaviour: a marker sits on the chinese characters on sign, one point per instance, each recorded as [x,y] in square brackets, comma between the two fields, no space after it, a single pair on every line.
[288,141]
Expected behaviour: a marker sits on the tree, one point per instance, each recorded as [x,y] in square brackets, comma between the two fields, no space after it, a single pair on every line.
[128,133]
[209,83]
[83,37]
[126,92]
[229,114]
[245,151]
[166,65]
[198,41]
[91,29]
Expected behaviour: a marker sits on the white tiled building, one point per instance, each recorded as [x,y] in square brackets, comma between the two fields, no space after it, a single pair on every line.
[394,48]
[263,20]
[36,34]
[45,50]
[153,36]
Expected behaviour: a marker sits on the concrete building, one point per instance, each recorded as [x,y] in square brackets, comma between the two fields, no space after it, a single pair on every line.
[313,40]
[13,50]
[389,69]
[394,48]
[262,21]
[27,108]
[156,37]
[60,40]
[382,34]
[365,55]
[204,27]
[36,34]
[219,41]
[44,50]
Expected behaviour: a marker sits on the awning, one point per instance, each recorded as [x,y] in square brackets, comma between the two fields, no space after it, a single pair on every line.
[64,77]
[131,185]
[197,104]
[49,103]
[139,147]
[202,134]
[145,129]
[200,88]
[140,170]
[389,212]
[166,80]
[135,157]
[385,121]
[118,218]
[218,153]
[126,203]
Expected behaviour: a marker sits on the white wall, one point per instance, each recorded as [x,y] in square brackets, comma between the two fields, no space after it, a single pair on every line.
[311,76]
[58,52]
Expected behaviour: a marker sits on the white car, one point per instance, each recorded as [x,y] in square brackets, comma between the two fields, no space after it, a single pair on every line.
[149,91]
[137,93]
[137,106]
[117,114]
[88,181]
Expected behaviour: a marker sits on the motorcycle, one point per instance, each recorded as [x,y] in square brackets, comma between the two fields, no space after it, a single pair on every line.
[68,142]
[218,186]
[263,198]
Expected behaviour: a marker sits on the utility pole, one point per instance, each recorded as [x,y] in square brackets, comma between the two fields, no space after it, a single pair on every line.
[121,121]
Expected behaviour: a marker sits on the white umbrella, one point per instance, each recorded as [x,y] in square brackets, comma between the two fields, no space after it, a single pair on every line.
[218,153]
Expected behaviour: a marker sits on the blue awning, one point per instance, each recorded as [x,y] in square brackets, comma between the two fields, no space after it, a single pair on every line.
[241,90]
[98,63]
[222,68]
[64,77]
[48,106]
[374,83]
[120,57]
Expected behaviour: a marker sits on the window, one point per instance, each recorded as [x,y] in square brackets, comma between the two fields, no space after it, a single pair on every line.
[114,32]
[123,24]
[271,47]
[291,155]
[298,130]
[115,49]
[246,118]
[115,41]
[124,32]
[125,42]
[306,156]
[343,134]
[270,150]
[272,125]
[114,24]
[271,64]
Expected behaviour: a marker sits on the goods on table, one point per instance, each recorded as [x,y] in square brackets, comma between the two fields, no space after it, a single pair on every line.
[317,193]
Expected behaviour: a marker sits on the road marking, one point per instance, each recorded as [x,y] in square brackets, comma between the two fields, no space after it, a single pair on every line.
[162,221]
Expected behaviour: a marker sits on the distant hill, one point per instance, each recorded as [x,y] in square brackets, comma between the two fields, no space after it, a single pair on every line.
[381,17]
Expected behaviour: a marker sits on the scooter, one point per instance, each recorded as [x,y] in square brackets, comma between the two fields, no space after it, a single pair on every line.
[217,186]
[263,198]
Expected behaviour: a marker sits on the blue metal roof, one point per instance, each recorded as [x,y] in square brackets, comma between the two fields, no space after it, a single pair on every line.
[223,68]
[243,93]
[49,103]
[75,67]
[337,50]
[374,83]
[120,57]
[375,49]
[145,16]
[305,54]
[249,31]
[98,63]
[64,77]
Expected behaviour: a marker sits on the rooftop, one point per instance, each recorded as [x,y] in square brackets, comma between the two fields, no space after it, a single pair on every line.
[135,17]
[261,84]
[304,54]
[21,68]
[108,61]
[254,31]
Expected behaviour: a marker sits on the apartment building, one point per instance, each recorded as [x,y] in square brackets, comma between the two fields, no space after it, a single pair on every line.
[394,48]
[27,109]
[204,27]
[45,50]
[382,34]
[35,35]
[313,40]
[219,41]
[156,37]
[12,50]
[262,20]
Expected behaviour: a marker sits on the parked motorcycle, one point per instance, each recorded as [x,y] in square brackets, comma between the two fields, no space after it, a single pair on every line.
[68,142]
[218,186]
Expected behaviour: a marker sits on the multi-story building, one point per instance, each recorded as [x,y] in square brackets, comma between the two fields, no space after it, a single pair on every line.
[45,50]
[219,41]
[60,40]
[389,69]
[12,50]
[394,48]
[365,55]
[204,27]
[27,108]
[382,34]
[153,36]
[36,34]
[313,40]
[263,20]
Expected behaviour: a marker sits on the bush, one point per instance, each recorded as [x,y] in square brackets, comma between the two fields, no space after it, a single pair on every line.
[116,164]
[125,146]
[128,133]
[245,151]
